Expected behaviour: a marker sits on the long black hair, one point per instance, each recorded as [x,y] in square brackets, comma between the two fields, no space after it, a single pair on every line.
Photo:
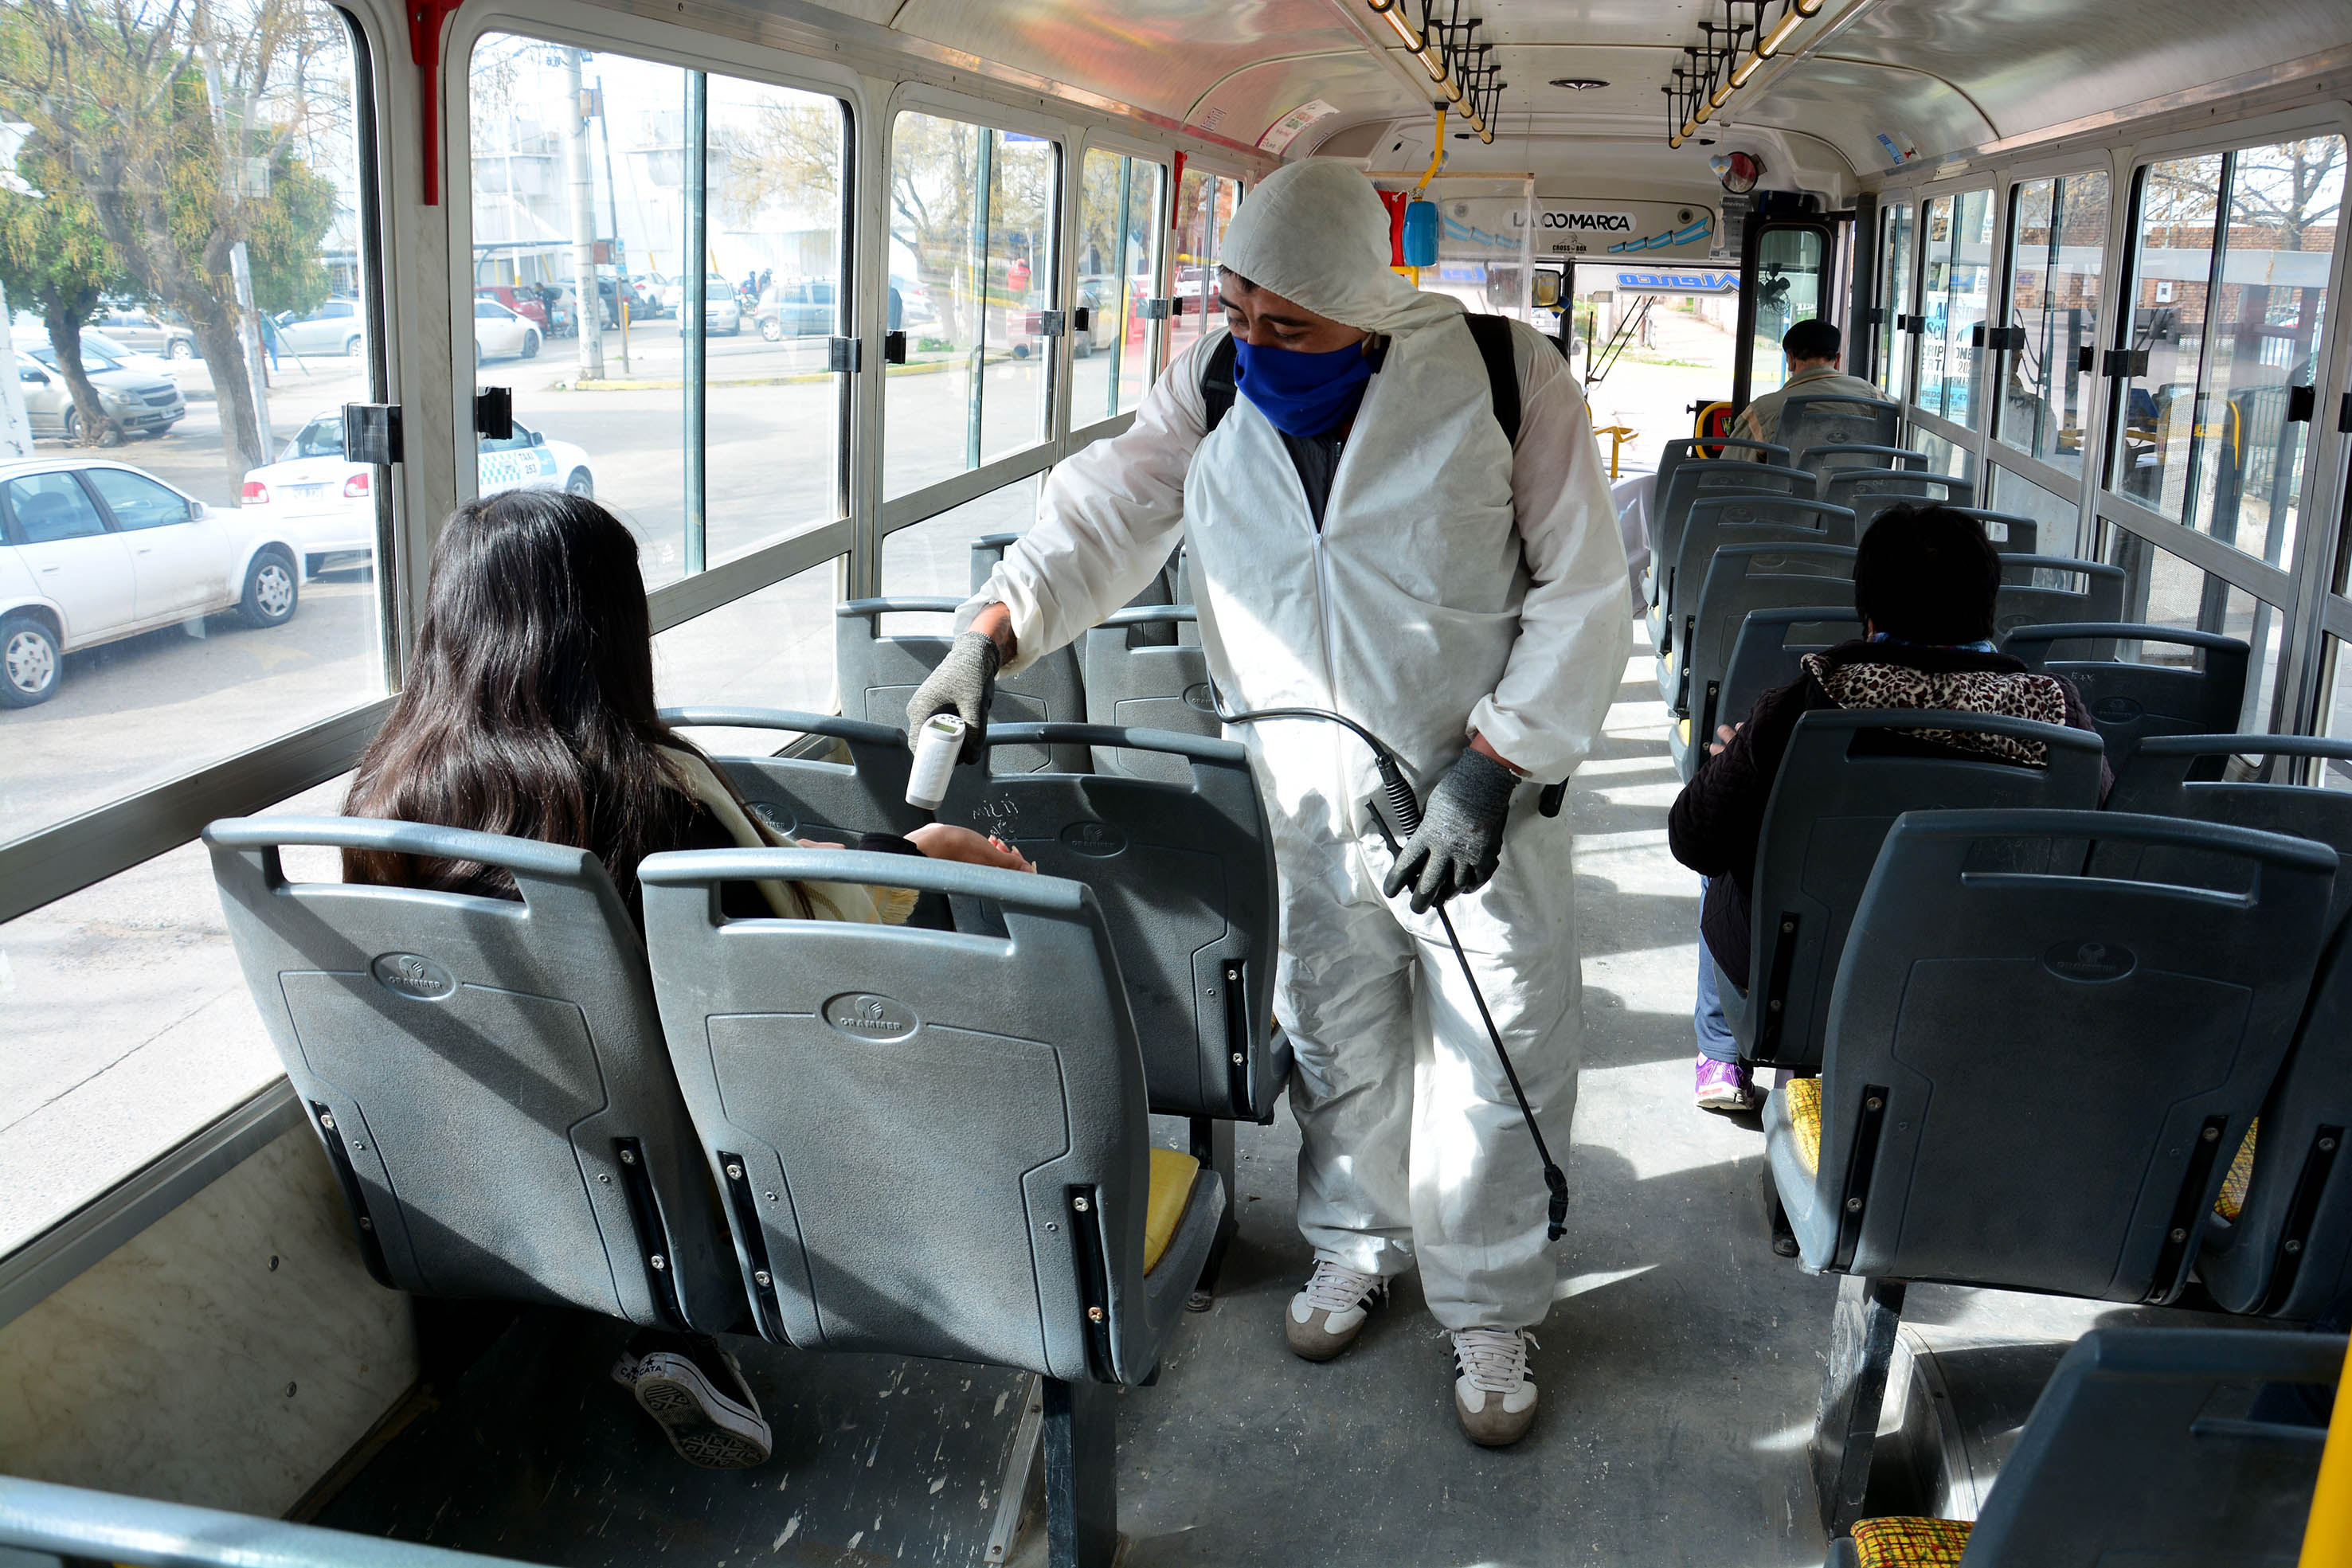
[529,710]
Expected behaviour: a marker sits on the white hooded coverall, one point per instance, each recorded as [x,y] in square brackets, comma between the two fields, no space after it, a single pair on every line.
[1458,585]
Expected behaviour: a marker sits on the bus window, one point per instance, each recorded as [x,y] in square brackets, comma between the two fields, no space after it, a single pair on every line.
[971,221]
[1206,204]
[2163,589]
[2058,238]
[2336,714]
[1894,294]
[1789,268]
[2060,516]
[1954,295]
[934,557]
[2211,437]
[1118,210]
[607,396]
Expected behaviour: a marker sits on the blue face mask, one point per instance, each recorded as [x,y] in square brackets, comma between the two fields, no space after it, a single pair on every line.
[1301,393]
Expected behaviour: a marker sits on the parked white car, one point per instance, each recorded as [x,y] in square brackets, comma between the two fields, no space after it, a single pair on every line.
[140,404]
[95,551]
[499,332]
[325,504]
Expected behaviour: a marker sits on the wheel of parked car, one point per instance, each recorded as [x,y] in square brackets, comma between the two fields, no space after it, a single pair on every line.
[772,328]
[180,349]
[271,590]
[530,345]
[352,345]
[581,484]
[30,662]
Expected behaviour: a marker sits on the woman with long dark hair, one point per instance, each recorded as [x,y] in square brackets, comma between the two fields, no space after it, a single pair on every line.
[530,712]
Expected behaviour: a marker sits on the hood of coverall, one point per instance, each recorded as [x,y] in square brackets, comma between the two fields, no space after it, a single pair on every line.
[1316,232]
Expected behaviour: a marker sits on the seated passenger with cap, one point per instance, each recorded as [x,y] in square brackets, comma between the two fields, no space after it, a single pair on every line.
[529,711]
[1925,582]
[1810,349]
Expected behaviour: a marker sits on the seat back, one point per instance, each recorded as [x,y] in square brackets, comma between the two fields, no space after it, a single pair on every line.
[1810,420]
[931,1143]
[2132,702]
[1742,578]
[1837,794]
[1690,448]
[1138,677]
[1770,647]
[878,674]
[488,1075]
[2032,1079]
[1694,477]
[2136,1453]
[1823,463]
[1720,522]
[2010,533]
[857,785]
[2036,589]
[1184,873]
[2280,1241]
[1872,491]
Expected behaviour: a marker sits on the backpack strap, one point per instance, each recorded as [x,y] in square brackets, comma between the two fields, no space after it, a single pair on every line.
[1493,335]
[1217,386]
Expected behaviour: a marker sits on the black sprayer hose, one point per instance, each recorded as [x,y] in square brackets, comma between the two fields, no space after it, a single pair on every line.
[1406,808]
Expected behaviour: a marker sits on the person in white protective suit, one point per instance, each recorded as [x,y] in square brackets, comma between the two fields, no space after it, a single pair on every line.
[1365,538]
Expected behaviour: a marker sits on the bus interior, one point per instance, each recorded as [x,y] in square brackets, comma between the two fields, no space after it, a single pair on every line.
[815,294]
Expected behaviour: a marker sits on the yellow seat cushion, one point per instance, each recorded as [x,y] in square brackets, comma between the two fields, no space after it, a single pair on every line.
[1910,1543]
[1802,1098]
[2232,1199]
[1171,1189]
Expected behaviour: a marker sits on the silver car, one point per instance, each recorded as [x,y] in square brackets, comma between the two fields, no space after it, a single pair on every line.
[141,403]
[143,331]
[335,328]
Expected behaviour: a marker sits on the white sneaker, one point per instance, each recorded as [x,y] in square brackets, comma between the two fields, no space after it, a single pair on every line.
[1494,1397]
[716,1428]
[1330,1310]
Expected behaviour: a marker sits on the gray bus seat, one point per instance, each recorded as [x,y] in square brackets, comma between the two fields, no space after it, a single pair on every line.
[858,784]
[2282,1228]
[2031,1080]
[1873,491]
[2010,533]
[1719,522]
[936,1144]
[1826,462]
[1810,420]
[1700,449]
[2131,702]
[1837,795]
[878,675]
[2027,597]
[1674,497]
[488,1075]
[1740,580]
[1770,651]
[1134,682]
[1184,873]
[2132,1455]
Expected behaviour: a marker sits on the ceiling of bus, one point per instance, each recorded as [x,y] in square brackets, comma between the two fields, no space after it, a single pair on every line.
[1932,76]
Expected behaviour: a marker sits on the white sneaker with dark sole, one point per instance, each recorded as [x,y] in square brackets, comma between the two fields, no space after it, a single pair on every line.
[1494,1397]
[707,1427]
[1330,1310]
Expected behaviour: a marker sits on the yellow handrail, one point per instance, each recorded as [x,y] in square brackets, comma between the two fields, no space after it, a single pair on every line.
[1618,434]
[2327,1535]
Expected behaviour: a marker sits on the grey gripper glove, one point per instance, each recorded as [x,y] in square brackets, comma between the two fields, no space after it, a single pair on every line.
[1461,835]
[963,684]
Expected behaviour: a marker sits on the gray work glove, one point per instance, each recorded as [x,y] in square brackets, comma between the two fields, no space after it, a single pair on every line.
[963,684]
[1461,835]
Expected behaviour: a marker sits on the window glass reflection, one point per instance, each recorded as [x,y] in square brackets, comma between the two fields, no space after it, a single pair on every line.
[1118,205]
[1204,204]
[1897,234]
[1955,290]
[2163,589]
[2058,237]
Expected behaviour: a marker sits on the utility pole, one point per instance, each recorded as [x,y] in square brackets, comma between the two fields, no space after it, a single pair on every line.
[613,206]
[583,224]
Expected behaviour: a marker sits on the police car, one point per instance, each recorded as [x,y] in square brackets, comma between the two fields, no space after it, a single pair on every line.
[326,503]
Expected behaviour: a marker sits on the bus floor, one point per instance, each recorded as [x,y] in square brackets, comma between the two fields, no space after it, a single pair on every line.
[1680,1367]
